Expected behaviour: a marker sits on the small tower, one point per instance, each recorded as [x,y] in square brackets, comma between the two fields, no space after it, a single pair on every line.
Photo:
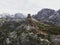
[29,16]
[29,19]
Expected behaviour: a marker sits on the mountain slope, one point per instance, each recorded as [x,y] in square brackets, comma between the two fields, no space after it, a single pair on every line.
[29,31]
[48,16]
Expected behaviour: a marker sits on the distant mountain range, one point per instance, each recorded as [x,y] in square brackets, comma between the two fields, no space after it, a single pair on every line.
[48,16]
[7,16]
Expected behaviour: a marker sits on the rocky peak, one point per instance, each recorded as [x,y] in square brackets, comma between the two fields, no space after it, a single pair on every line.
[29,24]
[30,20]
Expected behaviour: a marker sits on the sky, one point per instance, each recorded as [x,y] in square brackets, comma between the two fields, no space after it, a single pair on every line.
[27,6]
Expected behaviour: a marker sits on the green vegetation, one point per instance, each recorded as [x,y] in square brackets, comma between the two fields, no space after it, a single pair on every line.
[54,30]
[22,35]
[29,36]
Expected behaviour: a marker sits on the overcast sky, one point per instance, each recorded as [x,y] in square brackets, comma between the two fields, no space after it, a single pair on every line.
[27,6]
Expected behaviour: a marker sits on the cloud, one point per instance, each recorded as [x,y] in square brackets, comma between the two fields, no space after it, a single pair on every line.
[27,6]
